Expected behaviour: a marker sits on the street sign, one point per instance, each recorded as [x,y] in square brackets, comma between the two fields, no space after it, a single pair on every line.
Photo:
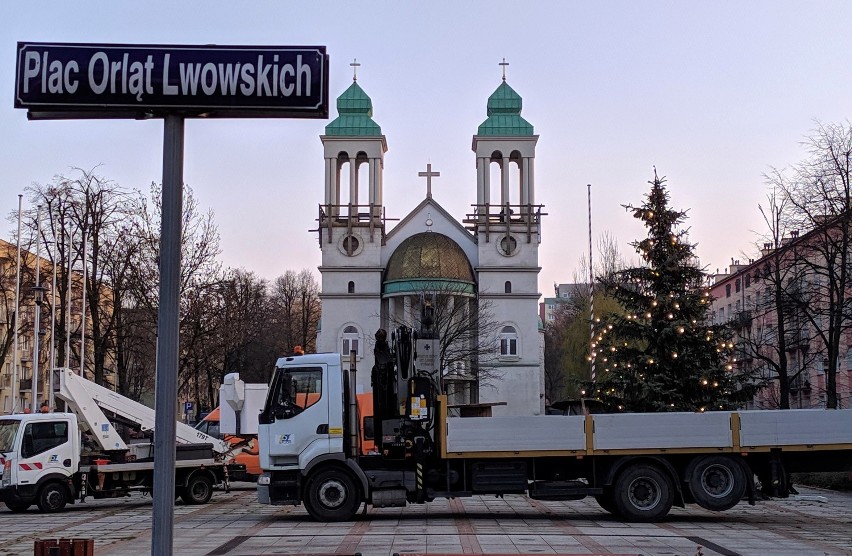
[63,80]
[187,407]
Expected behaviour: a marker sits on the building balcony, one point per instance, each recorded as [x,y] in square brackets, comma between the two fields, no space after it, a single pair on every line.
[797,339]
[797,385]
[742,319]
[6,381]
[25,385]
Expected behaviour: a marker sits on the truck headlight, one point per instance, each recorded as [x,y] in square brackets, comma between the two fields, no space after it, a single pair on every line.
[264,479]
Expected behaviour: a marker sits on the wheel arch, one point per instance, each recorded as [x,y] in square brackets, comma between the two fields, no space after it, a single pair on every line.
[340,462]
[182,480]
[737,459]
[664,464]
[59,478]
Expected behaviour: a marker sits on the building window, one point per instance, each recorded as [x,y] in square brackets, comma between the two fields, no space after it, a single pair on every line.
[351,287]
[737,285]
[507,287]
[727,290]
[722,314]
[351,341]
[508,342]
[747,280]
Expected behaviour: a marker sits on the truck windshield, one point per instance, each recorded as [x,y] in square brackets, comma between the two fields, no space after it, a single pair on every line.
[8,429]
[293,390]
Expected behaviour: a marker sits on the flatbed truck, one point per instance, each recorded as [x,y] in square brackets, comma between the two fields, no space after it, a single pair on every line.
[635,465]
[52,459]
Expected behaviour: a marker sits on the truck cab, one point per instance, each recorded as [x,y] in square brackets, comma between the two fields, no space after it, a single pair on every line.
[39,455]
[302,420]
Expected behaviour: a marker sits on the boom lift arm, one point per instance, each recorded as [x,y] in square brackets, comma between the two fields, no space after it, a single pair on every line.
[88,400]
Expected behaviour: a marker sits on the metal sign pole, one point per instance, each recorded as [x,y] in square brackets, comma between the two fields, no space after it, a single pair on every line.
[168,337]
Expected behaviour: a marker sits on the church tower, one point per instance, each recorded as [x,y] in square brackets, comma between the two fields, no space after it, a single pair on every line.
[352,230]
[506,222]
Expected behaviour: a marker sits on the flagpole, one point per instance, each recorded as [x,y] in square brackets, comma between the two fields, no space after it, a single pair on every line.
[15,361]
[591,290]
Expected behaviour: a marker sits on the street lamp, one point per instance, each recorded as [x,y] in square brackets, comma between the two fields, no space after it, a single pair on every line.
[38,291]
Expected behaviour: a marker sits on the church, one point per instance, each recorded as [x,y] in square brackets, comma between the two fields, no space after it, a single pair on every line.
[474,281]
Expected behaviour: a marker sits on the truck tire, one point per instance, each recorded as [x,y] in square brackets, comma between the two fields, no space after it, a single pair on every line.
[52,497]
[643,493]
[332,495]
[18,507]
[198,490]
[607,501]
[717,482]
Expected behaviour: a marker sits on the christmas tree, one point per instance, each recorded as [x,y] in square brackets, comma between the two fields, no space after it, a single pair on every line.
[660,352]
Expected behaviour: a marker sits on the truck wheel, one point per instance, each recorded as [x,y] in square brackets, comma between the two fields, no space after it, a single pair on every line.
[18,507]
[717,482]
[607,501]
[52,497]
[332,495]
[198,490]
[643,493]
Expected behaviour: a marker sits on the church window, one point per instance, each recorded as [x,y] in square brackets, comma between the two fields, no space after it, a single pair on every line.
[508,245]
[508,342]
[351,341]
[507,287]
[350,245]
[351,289]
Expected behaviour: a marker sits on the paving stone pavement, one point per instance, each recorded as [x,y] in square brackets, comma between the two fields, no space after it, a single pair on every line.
[814,523]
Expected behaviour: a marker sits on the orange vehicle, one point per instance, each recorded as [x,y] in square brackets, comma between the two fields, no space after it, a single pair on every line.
[250,457]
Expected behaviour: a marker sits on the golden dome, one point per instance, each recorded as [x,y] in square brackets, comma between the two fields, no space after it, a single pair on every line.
[427,256]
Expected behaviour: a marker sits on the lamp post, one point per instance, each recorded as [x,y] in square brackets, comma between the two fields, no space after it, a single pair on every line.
[38,290]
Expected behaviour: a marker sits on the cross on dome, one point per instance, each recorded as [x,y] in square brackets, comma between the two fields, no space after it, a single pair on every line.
[355,65]
[504,63]
[429,174]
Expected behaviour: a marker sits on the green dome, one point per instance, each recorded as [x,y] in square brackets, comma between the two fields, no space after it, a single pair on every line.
[504,114]
[355,119]
[429,261]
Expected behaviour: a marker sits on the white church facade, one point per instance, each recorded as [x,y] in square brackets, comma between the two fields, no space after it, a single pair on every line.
[479,275]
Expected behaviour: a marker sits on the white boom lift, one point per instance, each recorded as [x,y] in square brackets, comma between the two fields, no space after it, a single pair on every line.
[88,400]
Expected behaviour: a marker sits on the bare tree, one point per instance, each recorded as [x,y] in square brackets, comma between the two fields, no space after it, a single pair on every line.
[94,208]
[772,337]
[466,329]
[200,275]
[8,277]
[296,310]
[309,309]
[819,193]
[246,337]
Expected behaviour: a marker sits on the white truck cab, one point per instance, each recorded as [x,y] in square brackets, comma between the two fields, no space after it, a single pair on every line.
[302,421]
[39,455]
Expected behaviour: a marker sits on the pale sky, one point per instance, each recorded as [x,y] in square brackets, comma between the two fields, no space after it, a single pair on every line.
[712,94]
